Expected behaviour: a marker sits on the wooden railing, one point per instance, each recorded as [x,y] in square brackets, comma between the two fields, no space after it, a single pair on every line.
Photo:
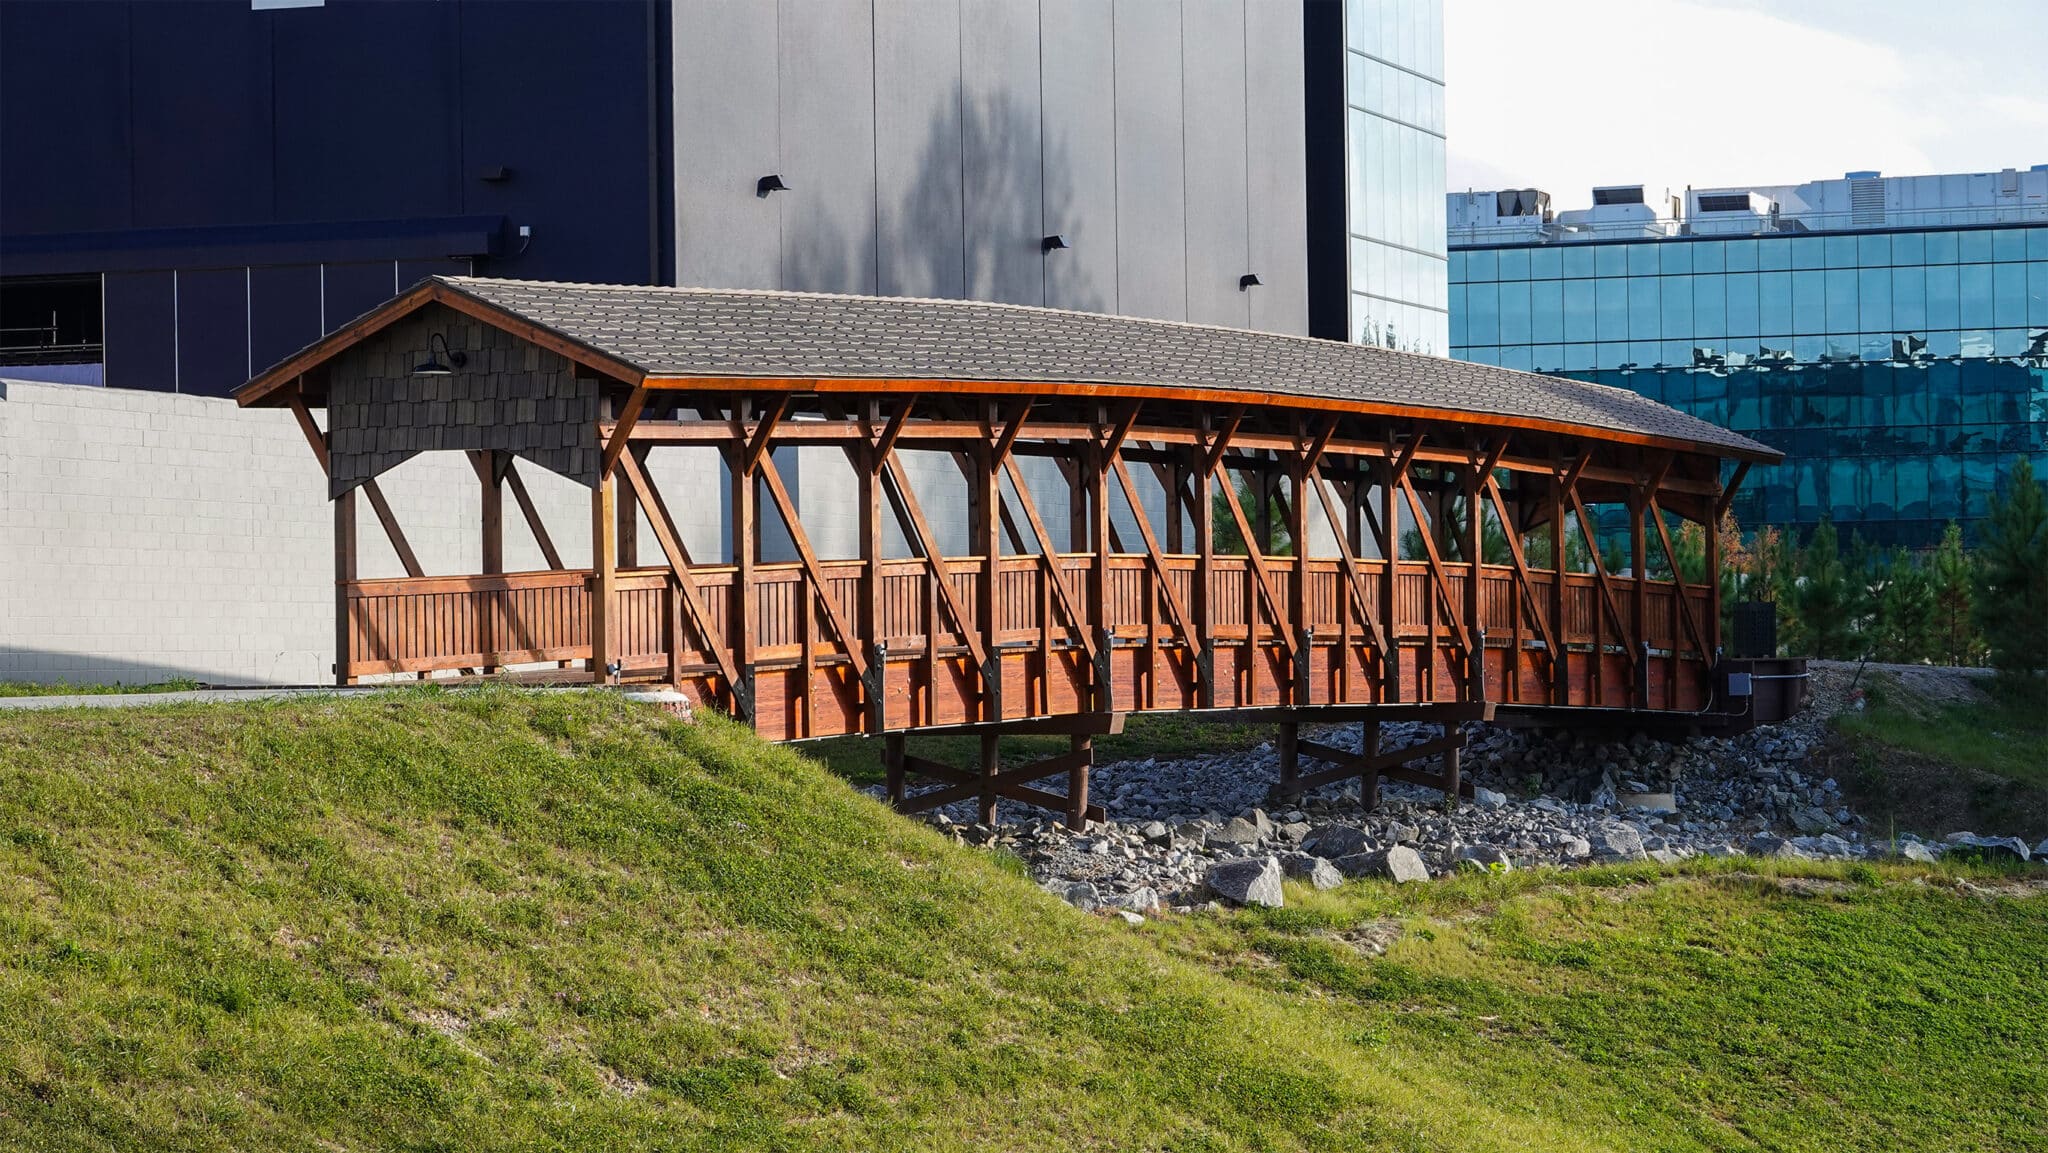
[803,685]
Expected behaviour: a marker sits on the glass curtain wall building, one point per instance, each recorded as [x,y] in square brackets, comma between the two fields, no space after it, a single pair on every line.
[1376,199]
[1901,367]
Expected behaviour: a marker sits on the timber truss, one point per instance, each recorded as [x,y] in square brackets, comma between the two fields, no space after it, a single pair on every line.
[1236,555]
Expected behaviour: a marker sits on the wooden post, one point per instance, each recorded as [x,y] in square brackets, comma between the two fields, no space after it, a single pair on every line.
[344,576]
[1175,480]
[1083,747]
[1298,480]
[1713,621]
[1638,560]
[745,556]
[629,518]
[604,523]
[491,517]
[1205,575]
[892,766]
[1451,764]
[871,586]
[991,766]
[985,516]
[1560,668]
[1390,549]
[1369,747]
[1096,470]
[1475,620]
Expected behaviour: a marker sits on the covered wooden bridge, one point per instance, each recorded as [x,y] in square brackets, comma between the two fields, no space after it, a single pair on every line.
[1424,505]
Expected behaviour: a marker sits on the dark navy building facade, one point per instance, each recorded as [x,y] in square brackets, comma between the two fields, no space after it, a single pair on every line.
[193,190]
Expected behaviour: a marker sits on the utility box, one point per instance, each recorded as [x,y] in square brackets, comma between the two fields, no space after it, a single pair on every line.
[1754,635]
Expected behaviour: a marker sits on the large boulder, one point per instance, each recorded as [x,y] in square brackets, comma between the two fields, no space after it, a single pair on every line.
[1915,851]
[1333,841]
[1313,869]
[1238,832]
[1617,842]
[1485,858]
[1400,863]
[1488,799]
[1973,847]
[1252,881]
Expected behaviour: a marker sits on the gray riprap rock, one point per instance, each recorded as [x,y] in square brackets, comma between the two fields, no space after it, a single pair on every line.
[1617,841]
[1488,799]
[1487,858]
[1130,918]
[2041,850]
[1313,869]
[1575,848]
[1292,832]
[1333,841]
[1766,845]
[1811,820]
[1252,881]
[1915,851]
[1080,894]
[1143,899]
[1401,863]
[1156,833]
[1237,832]
[1402,834]
[1989,848]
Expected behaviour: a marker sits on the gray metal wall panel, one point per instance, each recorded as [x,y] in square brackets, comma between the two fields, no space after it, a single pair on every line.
[918,148]
[1151,204]
[1078,79]
[828,145]
[1004,180]
[1213,88]
[1276,144]
[726,236]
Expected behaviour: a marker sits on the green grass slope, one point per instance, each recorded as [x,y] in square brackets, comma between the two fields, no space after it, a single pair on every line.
[505,920]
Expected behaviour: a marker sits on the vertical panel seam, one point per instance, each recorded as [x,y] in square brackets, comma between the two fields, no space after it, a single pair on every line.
[1244,51]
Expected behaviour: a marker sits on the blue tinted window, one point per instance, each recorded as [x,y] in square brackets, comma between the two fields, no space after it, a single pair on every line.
[2008,244]
[1611,299]
[1546,311]
[1709,308]
[1808,252]
[1773,255]
[2037,244]
[1809,302]
[1546,264]
[1909,299]
[1774,303]
[1709,256]
[1874,299]
[1973,247]
[1742,303]
[1941,248]
[1578,262]
[1841,290]
[1579,311]
[1482,313]
[1514,264]
[1611,260]
[1642,308]
[2037,294]
[1841,251]
[1944,296]
[1455,266]
[1482,264]
[1976,293]
[2009,293]
[1874,251]
[1677,307]
[1677,258]
[1909,248]
[1457,316]
[1514,312]
[1644,259]
[1742,255]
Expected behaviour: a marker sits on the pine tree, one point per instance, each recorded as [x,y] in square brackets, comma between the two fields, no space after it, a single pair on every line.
[1903,625]
[1952,574]
[1824,598]
[2012,580]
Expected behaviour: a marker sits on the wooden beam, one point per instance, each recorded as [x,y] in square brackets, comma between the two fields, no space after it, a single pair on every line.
[1699,637]
[1354,575]
[1726,496]
[622,430]
[392,532]
[1153,556]
[935,563]
[1437,577]
[1521,563]
[1049,556]
[344,576]
[680,570]
[604,526]
[1264,578]
[532,515]
[312,431]
[1607,593]
[821,587]
[764,431]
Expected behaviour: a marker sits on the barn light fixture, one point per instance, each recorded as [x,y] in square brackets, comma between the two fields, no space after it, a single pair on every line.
[1248,281]
[432,365]
[769,183]
[1056,241]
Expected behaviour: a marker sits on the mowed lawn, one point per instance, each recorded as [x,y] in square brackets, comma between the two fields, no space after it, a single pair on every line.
[508,920]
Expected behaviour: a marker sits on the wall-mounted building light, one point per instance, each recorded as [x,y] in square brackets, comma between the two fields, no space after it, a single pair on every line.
[1248,280]
[769,183]
[432,365]
[1056,241]
[495,174]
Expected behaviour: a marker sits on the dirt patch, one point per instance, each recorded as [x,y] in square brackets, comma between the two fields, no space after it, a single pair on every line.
[1373,938]
[1908,792]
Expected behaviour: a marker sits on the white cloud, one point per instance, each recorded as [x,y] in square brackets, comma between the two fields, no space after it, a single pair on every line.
[1670,93]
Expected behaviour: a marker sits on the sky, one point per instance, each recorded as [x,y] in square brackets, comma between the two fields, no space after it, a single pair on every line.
[1669,93]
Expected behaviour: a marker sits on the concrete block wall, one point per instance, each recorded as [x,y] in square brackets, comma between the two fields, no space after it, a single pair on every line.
[146,536]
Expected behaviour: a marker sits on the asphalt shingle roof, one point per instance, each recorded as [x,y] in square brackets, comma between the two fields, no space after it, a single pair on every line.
[735,333]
